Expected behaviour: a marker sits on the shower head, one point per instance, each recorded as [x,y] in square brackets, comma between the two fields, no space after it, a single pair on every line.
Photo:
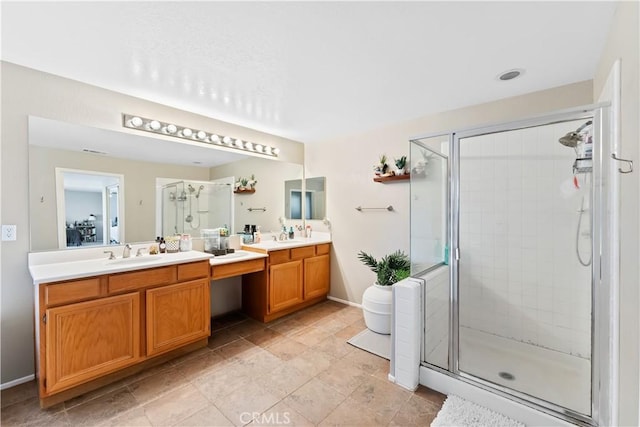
[190,188]
[573,138]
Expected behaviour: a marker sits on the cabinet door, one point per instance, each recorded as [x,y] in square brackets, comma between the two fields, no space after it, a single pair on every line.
[316,276]
[177,315]
[89,339]
[285,285]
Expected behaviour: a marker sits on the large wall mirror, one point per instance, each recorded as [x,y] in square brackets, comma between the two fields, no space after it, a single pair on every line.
[128,209]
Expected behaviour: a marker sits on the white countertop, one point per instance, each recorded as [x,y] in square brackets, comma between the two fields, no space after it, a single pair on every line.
[54,266]
[268,244]
[43,272]
[237,256]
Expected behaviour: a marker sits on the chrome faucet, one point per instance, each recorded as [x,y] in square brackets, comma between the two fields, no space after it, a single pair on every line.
[111,255]
[139,251]
[126,252]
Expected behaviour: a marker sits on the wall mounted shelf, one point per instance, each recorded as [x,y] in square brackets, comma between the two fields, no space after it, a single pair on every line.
[392,178]
[245,191]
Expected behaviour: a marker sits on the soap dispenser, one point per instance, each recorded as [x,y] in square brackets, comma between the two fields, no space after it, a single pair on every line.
[291,235]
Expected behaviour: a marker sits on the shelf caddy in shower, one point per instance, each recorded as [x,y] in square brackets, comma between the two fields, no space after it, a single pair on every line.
[583,165]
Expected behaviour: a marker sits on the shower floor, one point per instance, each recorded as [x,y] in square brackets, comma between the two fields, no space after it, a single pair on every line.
[549,375]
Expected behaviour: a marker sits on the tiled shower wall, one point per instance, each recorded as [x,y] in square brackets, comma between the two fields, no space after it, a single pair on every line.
[519,273]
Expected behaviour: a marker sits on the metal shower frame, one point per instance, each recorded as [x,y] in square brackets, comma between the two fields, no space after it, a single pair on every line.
[604,340]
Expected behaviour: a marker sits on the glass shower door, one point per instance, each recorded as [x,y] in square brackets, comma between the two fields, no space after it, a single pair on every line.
[524,274]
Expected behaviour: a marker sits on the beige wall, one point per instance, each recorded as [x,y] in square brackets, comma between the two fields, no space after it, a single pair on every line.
[29,92]
[348,165]
[624,42]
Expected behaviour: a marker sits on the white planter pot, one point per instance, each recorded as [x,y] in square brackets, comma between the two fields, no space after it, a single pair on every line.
[376,306]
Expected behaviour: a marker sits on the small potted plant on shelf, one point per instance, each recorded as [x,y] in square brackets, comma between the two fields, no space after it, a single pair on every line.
[401,164]
[382,168]
[252,181]
[376,300]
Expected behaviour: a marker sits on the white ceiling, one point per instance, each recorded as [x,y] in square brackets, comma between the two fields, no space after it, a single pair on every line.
[310,70]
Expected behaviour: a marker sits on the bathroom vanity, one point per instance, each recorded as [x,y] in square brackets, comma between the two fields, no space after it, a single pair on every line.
[297,275]
[99,320]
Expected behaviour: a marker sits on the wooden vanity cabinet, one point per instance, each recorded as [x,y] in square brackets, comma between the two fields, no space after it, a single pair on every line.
[294,278]
[316,276]
[88,339]
[176,315]
[95,328]
[285,285]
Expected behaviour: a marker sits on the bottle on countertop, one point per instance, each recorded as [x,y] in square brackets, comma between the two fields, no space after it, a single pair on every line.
[257,236]
[291,233]
[163,246]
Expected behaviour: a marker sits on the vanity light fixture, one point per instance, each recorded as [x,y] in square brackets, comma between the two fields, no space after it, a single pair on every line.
[177,131]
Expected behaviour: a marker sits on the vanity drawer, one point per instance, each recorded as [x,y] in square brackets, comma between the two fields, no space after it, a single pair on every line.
[237,268]
[322,249]
[193,270]
[142,278]
[303,252]
[67,292]
[278,257]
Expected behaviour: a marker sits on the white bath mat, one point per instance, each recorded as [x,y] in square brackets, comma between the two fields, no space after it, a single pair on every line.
[375,343]
[457,412]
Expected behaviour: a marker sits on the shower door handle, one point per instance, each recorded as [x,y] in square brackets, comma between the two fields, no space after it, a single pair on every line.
[456,254]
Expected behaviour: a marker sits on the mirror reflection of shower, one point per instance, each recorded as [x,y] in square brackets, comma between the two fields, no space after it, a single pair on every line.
[189,218]
[581,140]
[190,206]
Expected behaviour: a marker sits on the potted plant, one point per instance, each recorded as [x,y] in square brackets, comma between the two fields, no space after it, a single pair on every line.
[381,168]
[252,181]
[376,300]
[401,164]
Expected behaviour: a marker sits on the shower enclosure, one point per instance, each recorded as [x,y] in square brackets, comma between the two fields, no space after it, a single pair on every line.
[510,231]
[188,207]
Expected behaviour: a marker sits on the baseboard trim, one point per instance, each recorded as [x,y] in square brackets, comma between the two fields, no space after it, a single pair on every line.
[342,301]
[18,381]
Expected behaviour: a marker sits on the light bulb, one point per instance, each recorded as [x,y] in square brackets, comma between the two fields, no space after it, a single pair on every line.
[226,140]
[186,132]
[171,129]
[276,151]
[248,146]
[258,148]
[238,143]
[136,122]
[215,138]
[201,134]
[267,150]
[155,125]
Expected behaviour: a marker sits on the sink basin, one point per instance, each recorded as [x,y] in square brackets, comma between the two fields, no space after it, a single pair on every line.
[132,260]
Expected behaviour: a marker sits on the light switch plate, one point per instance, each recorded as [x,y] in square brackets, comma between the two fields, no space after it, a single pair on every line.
[9,232]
